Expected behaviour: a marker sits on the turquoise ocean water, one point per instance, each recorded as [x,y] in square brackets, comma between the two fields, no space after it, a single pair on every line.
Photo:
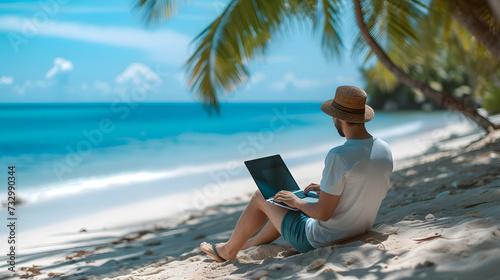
[69,154]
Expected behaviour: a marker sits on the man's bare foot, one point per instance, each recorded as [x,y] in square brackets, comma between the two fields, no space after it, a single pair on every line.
[208,248]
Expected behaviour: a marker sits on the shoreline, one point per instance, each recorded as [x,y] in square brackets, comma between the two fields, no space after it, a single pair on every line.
[106,167]
[65,238]
[198,199]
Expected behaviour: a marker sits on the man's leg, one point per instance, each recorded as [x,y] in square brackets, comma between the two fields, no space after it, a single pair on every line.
[265,236]
[251,220]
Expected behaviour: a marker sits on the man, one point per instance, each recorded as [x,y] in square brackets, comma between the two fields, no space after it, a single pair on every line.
[354,182]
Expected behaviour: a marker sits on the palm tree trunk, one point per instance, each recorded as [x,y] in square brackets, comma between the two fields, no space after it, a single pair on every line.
[444,98]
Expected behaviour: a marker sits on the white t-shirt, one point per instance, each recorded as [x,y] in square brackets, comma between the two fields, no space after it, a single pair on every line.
[359,172]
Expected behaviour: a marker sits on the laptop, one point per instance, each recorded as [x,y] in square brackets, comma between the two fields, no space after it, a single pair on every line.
[271,176]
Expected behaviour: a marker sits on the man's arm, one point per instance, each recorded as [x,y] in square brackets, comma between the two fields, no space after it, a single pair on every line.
[322,210]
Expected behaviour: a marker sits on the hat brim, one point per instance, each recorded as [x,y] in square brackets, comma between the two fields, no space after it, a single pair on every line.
[349,117]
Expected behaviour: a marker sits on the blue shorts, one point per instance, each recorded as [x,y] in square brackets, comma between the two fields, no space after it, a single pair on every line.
[293,230]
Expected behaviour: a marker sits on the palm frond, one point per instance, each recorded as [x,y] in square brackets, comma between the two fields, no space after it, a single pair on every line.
[303,9]
[381,77]
[328,19]
[393,24]
[440,15]
[156,10]
[241,33]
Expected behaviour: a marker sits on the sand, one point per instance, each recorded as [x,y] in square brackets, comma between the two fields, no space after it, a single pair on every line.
[440,220]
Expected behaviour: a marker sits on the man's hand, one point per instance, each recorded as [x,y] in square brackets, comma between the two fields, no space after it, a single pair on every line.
[289,198]
[312,187]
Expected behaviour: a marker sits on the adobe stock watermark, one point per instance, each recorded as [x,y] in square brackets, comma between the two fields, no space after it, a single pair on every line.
[31,26]
[250,148]
[92,138]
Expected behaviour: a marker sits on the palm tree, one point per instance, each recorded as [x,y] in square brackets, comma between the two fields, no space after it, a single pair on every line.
[244,29]
[461,65]
[444,98]
[477,17]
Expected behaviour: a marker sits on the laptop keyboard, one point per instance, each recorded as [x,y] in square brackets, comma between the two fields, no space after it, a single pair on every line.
[280,203]
[300,194]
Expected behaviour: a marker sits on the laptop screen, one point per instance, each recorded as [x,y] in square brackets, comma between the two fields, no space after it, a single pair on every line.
[271,175]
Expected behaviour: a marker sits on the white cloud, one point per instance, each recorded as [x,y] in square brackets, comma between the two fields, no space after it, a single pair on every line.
[137,74]
[290,78]
[6,80]
[102,86]
[346,80]
[21,89]
[167,45]
[255,79]
[56,79]
[60,65]
[180,77]
[42,83]
[134,76]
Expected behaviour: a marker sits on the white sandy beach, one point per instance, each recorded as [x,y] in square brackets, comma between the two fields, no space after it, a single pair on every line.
[440,220]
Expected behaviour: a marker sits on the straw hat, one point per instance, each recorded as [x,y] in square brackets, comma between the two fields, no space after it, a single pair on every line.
[349,105]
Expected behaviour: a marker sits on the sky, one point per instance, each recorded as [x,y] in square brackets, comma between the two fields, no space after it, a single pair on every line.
[102,51]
